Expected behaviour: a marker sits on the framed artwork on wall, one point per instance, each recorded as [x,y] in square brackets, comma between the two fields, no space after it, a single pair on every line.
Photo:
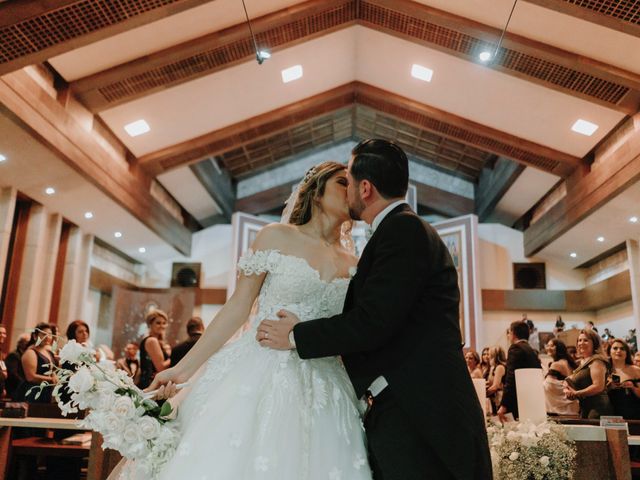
[460,235]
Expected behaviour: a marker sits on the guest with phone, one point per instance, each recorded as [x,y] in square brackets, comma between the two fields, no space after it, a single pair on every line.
[624,384]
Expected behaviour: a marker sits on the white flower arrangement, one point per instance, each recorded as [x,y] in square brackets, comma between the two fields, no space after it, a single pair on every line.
[130,423]
[523,450]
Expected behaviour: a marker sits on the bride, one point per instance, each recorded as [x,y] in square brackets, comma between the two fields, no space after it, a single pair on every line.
[257,413]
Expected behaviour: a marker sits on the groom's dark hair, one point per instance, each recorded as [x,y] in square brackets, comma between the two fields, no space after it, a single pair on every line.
[384,164]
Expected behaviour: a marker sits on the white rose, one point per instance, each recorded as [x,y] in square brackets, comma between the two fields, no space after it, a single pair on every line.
[544,461]
[113,423]
[71,352]
[132,433]
[105,401]
[81,381]
[149,427]
[514,456]
[124,407]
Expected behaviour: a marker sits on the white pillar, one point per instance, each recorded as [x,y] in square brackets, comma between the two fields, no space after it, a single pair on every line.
[7,211]
[633,254]
[75,280]
[37,271]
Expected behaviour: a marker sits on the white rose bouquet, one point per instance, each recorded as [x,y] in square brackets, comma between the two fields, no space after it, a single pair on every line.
[136,426]
[523,450]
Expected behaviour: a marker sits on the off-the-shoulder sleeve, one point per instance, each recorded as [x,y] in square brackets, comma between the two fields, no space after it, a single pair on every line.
[258,262]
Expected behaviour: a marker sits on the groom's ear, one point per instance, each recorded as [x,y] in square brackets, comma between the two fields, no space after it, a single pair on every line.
[366,189]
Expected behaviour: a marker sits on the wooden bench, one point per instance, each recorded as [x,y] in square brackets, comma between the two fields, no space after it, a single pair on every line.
[101,462]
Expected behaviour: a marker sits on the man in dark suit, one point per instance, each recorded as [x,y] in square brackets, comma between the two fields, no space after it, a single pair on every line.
[520,355]
[195,329]
[399,335]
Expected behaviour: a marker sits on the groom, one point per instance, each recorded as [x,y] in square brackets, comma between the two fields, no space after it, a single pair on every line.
[398,334]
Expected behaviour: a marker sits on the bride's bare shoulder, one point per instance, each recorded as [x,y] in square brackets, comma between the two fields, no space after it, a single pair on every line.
[275,236]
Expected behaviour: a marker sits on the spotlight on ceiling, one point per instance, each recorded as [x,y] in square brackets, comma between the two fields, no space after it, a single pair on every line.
[2,158]
[485,56]
[88,215]
[117,234]
[573,255]
[262,55]
[49,190]
[600,239]
[633,219]
[142,249]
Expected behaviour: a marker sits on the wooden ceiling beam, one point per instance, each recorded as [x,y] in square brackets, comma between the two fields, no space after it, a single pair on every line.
[595,11]
[526,59]
[616,168]
[24,100]
[33,31]
[409,111]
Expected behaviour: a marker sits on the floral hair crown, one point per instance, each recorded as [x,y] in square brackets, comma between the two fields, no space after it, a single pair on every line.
[309,175]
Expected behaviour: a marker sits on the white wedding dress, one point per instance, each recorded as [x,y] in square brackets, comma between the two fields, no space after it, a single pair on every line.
[257,413]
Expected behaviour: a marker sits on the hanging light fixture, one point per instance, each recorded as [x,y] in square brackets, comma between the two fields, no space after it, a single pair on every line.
[486,55]
[261,54]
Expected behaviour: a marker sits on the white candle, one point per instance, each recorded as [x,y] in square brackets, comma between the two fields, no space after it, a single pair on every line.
[530,392]
[480,385]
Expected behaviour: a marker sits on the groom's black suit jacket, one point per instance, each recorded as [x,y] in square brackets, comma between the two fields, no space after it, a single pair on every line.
[400,320]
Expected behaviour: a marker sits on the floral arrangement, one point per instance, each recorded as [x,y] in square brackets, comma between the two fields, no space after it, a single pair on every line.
[130,422]
[523,450]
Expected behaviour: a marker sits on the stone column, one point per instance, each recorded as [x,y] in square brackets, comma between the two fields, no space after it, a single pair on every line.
[633,254]
[75,280]
[7,211]
[38,268]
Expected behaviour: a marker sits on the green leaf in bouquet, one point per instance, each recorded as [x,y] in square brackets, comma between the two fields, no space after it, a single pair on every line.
[166,409]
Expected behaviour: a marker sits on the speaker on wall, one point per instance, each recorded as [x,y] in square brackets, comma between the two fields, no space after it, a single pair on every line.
[185,275]
[529,275]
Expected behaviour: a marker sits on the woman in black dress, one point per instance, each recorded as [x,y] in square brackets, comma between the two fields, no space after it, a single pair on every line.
[624,384]
[37,362]
[153,358]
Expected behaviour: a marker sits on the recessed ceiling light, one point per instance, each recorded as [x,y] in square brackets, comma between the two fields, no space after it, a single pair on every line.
[49,190]
[485,56]
[2,158]
[88,215]
[117,234]
[421,73]
[292,73]
[600,239]
[137,128]
[585,128]
[573,255]
[142,249]
[633,219]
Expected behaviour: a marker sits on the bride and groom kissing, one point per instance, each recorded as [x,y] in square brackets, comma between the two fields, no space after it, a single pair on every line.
[291,405]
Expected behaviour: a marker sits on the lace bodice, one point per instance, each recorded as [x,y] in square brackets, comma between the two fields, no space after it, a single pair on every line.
[292,284]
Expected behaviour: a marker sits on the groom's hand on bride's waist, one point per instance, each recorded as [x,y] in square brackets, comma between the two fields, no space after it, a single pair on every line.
[275,333]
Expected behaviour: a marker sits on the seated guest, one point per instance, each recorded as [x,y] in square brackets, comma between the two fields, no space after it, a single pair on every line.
[587,383]
[195,329]
[520,355]
[560,368]
[15,374]
[624,385]
[3,366]
[153,358]
[485,363]
[473,364]
[130,363]
[37,361]
[495,380]
[78,330]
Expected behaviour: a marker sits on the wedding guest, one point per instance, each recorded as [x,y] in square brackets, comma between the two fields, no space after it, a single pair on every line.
[495,379]
[624,385]
[153,358]
[130,363]
[520,355]
[607,335]
[195,329]
[560,368]
[587,383]
[534,338]
[473,364]
[590,326]
[485,363]
[37,362]
[3,366]
[15,374]
[78,330]
[636,359]
[573,353]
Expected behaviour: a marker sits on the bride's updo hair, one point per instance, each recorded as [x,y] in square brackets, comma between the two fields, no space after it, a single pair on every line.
[312,188]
